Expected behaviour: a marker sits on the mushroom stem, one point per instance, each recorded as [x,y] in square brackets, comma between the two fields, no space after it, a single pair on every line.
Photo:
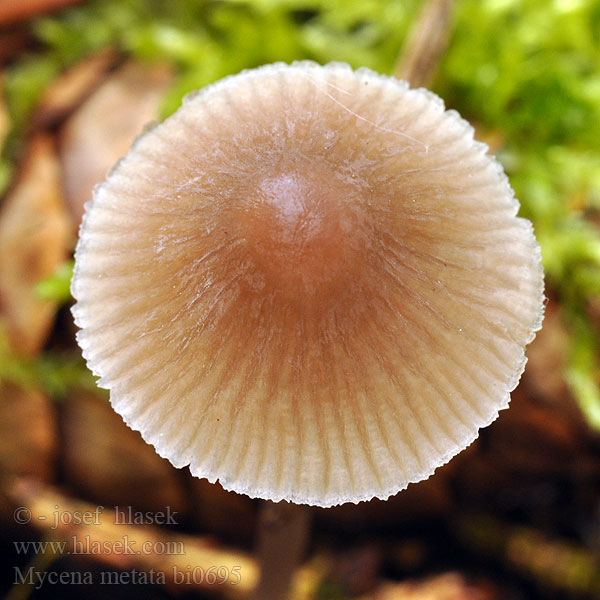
[282,536]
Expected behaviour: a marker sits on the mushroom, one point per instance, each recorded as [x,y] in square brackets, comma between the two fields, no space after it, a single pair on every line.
[309,283]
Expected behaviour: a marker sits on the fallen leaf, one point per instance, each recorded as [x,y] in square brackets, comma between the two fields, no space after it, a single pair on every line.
[13,11]
[4,117]
[34,241]
[102,130]
[71,88]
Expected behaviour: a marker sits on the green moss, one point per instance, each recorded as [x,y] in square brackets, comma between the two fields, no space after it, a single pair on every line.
[530,70]
[57,286]
[57,374]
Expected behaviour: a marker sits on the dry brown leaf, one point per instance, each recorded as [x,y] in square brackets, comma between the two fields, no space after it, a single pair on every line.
[13,11]
[28,434]
[68,90]
[102,130]
[34,240]
[4,117]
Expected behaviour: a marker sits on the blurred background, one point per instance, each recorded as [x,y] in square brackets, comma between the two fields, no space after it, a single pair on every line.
[516,516]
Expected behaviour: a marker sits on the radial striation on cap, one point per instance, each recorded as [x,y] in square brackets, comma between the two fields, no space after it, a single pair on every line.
[309,283]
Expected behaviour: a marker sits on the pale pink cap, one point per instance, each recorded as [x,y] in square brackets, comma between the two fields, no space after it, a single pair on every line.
[309,283]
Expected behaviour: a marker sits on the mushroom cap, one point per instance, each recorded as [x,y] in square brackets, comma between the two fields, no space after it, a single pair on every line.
[309,283]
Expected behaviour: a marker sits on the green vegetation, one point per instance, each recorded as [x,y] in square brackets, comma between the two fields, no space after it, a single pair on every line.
[56,373]
[526,72]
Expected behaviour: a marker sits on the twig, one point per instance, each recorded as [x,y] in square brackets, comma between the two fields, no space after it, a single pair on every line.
[426,43]
[13,11]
